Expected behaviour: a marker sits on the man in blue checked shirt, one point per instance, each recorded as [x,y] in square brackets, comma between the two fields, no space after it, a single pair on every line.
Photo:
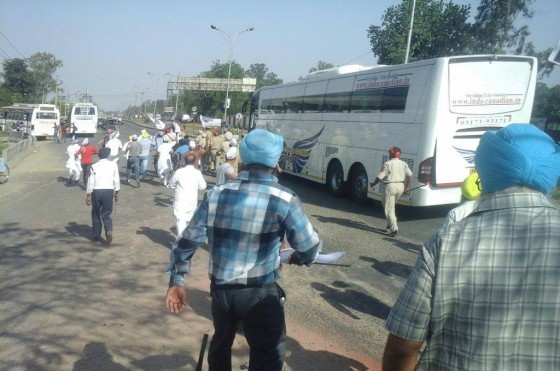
[246,220]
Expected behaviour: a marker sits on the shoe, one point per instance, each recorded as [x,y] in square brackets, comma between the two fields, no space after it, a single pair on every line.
[393,234]
[109,237]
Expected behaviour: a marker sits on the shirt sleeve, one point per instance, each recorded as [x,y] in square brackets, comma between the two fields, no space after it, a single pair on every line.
[301,235]
[91,181]
[411,315]
[116,178]
[193,236]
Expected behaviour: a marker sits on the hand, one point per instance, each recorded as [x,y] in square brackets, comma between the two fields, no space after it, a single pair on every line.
[88,200]
[294,259]
[406,191]
[116,196]
[176,299]
[371,184]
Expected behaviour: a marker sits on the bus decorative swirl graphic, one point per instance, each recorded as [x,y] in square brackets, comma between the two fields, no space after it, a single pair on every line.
[298,155]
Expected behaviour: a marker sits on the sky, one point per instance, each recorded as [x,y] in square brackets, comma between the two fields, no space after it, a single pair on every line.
[108,46]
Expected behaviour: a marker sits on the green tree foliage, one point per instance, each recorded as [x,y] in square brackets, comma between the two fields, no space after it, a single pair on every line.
[43,67]
[19,84]
[321,65]
[260,72]
[211,103]
[546,101]
[440,29]
[545,67]
[494,29]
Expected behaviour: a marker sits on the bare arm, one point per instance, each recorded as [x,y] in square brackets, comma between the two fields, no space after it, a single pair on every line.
[401,354]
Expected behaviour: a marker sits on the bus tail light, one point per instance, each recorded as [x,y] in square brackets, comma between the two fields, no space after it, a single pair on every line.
[425,171]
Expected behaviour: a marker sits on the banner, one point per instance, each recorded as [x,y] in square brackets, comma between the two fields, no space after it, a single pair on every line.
[210,122]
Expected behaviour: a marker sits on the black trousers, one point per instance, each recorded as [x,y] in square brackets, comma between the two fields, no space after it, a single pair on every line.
[260,310]
[101,209]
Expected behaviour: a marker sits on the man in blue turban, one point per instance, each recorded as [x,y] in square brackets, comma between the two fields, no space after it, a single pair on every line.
[246,221]
[485,292]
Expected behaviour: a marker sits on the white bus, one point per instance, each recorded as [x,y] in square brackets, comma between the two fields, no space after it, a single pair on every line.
[37,119]
[338,125]
[83,119]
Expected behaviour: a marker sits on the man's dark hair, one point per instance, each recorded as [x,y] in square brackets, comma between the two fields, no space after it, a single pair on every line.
[104,152]
[190,159]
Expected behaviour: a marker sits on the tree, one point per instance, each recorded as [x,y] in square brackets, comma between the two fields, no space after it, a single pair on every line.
[43,67]
[494,29]
[545,67]
[440,29]
[260,72]
[321,65]
[19,83]
[546,101]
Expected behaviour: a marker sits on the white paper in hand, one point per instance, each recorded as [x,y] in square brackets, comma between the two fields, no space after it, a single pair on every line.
[321,259]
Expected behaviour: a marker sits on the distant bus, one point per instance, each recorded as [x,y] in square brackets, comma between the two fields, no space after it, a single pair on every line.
[83,118]
[37,119]
[338,124]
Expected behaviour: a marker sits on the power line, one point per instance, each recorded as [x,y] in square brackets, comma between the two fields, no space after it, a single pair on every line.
[352,60]
[12,45]
[6,54]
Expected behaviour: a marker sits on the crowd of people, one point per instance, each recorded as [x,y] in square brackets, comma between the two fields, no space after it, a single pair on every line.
[484,293]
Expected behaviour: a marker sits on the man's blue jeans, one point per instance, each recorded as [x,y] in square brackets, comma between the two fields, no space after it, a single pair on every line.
[260,310]
[101,209]
[133,163]
[144,165]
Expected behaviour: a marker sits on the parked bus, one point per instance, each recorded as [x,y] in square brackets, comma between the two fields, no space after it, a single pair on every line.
[338,124]
[83,119]
[37,119]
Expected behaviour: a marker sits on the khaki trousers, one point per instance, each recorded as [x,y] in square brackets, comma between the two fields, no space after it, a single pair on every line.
[392,192]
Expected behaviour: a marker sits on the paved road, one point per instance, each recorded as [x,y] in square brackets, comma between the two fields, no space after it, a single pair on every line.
[67,303]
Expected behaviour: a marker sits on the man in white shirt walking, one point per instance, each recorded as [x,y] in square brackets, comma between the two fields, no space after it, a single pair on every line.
[186,181]
[103,186]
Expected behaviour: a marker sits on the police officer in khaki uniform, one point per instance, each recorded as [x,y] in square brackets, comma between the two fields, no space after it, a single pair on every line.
[397,178]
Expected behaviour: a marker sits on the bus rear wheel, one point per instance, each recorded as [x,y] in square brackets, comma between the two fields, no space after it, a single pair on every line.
[359,184]
[335,179]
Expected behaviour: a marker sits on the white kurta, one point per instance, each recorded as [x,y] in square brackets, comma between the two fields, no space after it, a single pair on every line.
[73,163]
[165,165]
[186,181]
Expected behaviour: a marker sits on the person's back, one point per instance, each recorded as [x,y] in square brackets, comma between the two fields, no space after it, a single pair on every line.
[485,293]
[500,270]
[246,221]
[146,145]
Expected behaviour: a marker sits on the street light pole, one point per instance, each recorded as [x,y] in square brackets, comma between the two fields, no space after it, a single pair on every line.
[157,83]
[231,42]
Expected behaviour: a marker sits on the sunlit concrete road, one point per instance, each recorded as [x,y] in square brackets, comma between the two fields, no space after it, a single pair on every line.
[67,303]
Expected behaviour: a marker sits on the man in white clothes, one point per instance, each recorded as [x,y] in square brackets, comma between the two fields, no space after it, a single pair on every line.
[164,164]
[102,189]
[73,163]
[115,145]
[186,181]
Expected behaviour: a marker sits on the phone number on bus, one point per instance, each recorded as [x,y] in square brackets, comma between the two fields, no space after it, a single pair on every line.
[484,121]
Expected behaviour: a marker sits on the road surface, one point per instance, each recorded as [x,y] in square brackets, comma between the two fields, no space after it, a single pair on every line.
[67,303]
